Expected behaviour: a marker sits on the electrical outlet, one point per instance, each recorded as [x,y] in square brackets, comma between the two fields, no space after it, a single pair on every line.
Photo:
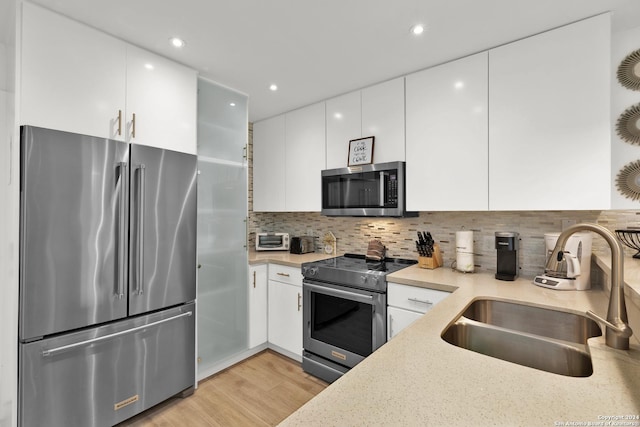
[566,223]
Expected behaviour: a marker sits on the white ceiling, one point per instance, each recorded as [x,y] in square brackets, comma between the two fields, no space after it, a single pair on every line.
[316,49]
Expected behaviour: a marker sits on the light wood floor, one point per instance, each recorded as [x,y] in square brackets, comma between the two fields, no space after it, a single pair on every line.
[260,391]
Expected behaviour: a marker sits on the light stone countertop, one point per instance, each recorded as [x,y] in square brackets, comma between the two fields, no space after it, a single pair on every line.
[284,258]
[417,379]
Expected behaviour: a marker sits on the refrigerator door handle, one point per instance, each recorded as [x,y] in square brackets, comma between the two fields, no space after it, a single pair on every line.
[53,351]
[122,237]
[140,234]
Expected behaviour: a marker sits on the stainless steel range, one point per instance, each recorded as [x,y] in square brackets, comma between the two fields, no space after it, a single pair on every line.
[344,311]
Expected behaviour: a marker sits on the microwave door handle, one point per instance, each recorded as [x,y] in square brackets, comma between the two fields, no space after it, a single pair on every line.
[382,185]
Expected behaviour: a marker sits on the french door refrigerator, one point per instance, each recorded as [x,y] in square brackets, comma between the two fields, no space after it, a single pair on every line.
[107,278]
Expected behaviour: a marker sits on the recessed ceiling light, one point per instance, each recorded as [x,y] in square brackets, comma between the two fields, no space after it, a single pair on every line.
[232,104]
[417,29]
[177,42]
[273,87]
[338,116]
[459,85]
[148,66]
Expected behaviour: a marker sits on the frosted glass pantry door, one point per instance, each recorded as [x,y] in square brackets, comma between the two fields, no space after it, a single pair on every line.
[222,315]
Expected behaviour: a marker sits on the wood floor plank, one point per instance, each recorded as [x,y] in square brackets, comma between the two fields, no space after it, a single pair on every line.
[260,391]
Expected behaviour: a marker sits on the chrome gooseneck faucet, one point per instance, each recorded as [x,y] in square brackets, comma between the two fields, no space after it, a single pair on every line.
[618,330]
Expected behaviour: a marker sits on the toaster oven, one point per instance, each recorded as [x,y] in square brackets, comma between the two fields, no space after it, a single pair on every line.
[272,241]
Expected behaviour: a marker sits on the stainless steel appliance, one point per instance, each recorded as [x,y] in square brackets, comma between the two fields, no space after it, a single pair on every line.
[344,312]
[272,241]
[302,245]
[368,190]
[107,278]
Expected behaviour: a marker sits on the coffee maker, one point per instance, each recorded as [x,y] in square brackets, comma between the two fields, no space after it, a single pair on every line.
[576,272]
[507,247]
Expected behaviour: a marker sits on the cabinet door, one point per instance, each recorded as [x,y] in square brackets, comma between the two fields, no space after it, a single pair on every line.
[304,158]
[268,161]
[344,121]
[383,117]
[549,125]
[398,319]
[163,96]
[73,77]
[285,316]
[257,305]
[447,137]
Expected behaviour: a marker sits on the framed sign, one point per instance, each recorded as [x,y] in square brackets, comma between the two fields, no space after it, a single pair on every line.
[361,151]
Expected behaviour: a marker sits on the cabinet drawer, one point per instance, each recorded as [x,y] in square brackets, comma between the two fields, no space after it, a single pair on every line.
[414,298]
[285,274]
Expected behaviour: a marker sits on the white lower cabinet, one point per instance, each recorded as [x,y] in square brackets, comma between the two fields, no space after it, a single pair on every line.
[285,308]
[398,319]
[257,305]
[406,304]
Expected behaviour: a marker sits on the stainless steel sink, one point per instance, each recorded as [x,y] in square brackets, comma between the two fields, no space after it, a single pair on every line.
[540,338]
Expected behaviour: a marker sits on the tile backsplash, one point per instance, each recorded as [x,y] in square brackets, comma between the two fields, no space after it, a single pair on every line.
[399,234]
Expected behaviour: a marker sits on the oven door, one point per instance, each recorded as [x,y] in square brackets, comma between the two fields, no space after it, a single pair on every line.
[342,324]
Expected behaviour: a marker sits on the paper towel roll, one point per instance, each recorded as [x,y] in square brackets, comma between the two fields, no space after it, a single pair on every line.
[464,262]
[464,242]
[464,251]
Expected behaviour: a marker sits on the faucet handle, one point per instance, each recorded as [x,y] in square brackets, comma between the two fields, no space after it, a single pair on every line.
[624,330]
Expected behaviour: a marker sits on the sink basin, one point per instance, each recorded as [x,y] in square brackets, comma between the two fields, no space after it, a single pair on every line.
[540,338]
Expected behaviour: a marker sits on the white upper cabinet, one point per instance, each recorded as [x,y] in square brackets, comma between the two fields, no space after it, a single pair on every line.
[163,96]
[344,123]
[77,79]
[268,165]
[447,136]
[305,158]
[383,118]
[376,111]
[73,77]
[549,125]
[288,156]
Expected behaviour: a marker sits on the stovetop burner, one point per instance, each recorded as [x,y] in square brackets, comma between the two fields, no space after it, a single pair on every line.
[355,270]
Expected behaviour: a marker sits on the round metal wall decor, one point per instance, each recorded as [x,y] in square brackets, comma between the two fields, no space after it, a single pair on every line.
[629,71]
[628,125]
[628,180]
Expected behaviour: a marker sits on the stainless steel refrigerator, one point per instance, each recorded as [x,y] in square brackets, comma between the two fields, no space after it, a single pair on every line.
[107,278]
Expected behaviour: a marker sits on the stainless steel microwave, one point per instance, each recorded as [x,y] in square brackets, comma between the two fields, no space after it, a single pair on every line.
[367,190]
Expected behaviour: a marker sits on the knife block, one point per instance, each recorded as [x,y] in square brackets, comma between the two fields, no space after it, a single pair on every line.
[432,262]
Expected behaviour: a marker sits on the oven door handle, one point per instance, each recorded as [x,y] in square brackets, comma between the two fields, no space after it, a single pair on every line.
[338,292]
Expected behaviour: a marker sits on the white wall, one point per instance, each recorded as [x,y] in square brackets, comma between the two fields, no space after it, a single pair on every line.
[8,217]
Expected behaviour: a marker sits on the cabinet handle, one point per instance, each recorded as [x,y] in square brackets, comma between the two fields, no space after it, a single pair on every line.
[133,126]
[283,274]
[254,279]
[119,122]
[299,301]
[390,326]
[420,301]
